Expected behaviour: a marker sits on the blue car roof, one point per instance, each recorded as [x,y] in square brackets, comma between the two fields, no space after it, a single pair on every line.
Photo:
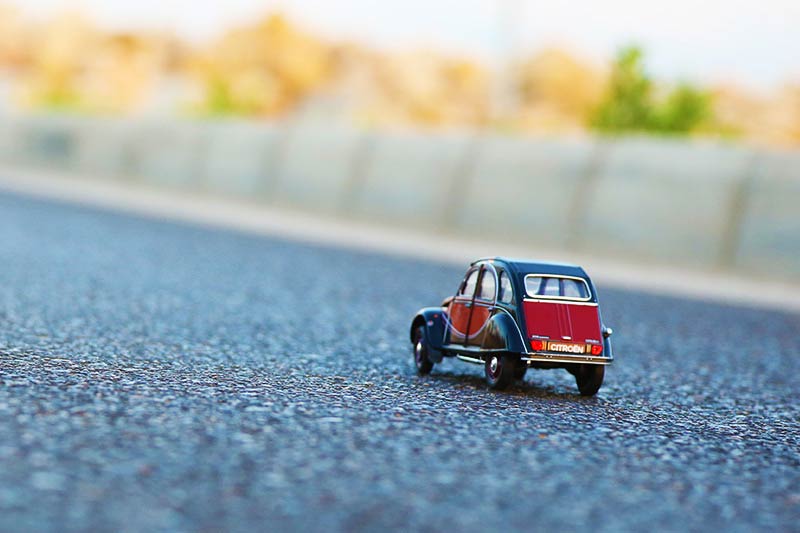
[527,266]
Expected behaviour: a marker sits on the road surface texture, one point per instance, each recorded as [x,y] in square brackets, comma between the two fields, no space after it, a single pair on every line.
[159,376]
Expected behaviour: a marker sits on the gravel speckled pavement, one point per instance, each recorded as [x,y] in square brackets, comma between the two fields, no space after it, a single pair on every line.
[156,376]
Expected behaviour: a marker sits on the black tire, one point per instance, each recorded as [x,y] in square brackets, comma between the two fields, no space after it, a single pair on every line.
[420,352]
[500,370]
[589,378]
[520,371]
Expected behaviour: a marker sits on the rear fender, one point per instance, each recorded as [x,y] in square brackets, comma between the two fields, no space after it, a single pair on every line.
[432,320]
[606,338]
[503,334]
[607,347]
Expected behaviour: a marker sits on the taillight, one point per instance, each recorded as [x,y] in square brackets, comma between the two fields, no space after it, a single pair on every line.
[597,349]
[537,346]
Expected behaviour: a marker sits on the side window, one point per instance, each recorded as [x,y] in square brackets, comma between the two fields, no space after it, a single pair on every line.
[506,292]
[468,287]
[488,286]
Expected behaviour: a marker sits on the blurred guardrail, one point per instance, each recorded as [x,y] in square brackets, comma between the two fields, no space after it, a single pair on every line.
[709,205]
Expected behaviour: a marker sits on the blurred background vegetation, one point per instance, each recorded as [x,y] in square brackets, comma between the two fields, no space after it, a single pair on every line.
[272,68]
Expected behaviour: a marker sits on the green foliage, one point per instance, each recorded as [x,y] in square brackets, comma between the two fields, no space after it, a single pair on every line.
[57,99]
[684,109]
[218,100]
[630,104]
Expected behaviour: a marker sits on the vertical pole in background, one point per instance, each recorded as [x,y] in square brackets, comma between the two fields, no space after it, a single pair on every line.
[275,163]
[130,150]
[362,159]
[461,180]
[202,147]
[584,192]
[737,210]
[503,88]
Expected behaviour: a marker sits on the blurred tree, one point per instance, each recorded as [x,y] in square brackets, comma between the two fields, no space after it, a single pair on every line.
[263,69]
[628,102]
[14,39]
[411,88]
[73,65]
[791,108]
[58,60]
[123,71]
[682,111]
[556,91]
[557,77]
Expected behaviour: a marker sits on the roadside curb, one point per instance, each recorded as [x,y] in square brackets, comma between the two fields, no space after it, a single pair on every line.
[202,209]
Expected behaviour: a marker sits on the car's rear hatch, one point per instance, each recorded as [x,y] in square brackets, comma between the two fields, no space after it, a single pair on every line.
[558,323]
[562,321]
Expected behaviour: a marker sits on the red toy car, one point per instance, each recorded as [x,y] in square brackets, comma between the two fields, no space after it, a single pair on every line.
[511,315]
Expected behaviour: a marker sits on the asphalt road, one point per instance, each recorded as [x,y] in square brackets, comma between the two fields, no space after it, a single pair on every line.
[163,377]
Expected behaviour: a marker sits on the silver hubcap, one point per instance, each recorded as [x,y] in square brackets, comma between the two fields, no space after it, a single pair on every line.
[418,351]
[493,365]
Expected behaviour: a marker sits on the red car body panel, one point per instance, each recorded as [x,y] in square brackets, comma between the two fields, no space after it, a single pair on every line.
[560,320]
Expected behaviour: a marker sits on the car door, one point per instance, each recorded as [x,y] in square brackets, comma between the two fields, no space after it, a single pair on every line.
[483,305]
[460,309]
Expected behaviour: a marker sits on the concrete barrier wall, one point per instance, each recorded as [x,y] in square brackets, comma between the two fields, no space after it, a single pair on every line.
[525,190]
[769,230]
[44,141]
[709,205]
[240,159]
[172,154]
[318,167]
[409,178]
[9,139]
[105,147]
[664,200]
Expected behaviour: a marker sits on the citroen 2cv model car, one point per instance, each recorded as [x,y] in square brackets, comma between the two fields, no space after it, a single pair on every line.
[511,315]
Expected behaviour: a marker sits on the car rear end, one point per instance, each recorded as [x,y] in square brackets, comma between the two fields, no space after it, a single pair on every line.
[562,320]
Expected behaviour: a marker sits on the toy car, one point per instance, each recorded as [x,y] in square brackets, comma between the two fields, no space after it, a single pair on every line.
[512,315]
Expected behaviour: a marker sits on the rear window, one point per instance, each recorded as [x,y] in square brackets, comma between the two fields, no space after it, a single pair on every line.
[556,287]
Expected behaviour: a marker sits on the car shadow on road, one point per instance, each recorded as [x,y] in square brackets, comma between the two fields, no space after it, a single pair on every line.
[527,388]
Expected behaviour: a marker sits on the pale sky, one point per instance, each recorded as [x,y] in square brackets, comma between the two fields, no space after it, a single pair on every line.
[755,42]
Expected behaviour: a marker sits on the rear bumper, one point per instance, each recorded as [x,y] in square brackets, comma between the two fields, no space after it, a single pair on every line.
[541,357]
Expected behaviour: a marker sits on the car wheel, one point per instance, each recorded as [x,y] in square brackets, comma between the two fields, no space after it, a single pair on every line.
[589,378]
[500,370]
[520,371]
[421,361]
